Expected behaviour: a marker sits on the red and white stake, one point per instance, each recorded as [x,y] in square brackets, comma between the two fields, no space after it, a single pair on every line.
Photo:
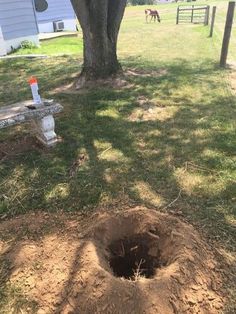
[35,90]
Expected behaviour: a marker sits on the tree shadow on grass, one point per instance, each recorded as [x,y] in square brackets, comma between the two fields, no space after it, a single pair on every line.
[180,138]
[50,72]
[138,159]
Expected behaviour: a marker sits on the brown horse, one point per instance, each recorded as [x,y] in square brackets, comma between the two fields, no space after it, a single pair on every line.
[153,14]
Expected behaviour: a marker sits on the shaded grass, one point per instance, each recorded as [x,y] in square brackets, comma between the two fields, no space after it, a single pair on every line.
[151,153]
[12,298]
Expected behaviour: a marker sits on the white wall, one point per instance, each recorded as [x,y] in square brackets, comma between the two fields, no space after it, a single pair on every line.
[57,10]
[3,50]
[15,43]
[47,27]
[17,18]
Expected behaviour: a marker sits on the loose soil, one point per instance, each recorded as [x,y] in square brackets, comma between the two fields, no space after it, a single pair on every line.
[130,261]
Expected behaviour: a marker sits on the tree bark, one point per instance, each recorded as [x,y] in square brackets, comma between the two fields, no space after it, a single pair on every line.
[100,22]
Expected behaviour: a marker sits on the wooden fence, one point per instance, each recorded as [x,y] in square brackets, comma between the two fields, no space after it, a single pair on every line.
[227,33]
[196,14]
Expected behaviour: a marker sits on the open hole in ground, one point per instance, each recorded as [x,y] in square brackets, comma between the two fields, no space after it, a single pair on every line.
[135,256]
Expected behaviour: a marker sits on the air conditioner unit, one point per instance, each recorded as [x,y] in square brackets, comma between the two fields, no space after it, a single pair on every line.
[58,26]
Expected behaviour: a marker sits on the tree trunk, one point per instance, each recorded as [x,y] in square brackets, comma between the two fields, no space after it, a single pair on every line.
[100,22]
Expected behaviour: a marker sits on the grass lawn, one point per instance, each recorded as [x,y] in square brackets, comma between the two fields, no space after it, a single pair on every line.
[169,133]
[56,46]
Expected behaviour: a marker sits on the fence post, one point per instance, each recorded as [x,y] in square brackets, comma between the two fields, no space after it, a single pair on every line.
[177,17]
[212,21]
[227,33]
[192,14]
[206,22]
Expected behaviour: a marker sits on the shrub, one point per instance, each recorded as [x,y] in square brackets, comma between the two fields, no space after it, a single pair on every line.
[26,44]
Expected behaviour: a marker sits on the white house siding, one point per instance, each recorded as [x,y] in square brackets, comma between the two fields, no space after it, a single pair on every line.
[58,10]
[16,42]
[3,50]
[17,22]
[47,27]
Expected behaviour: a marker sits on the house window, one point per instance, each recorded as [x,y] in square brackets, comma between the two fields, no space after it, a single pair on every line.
[40,5]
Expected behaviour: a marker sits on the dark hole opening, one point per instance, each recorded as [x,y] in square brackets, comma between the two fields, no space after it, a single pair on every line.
[135,256]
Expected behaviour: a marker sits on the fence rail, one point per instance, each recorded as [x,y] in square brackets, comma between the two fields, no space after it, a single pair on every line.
[193,14]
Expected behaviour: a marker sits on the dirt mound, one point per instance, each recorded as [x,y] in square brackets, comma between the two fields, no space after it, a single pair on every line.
[135,261]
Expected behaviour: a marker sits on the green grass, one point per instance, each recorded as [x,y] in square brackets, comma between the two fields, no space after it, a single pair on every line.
[74,45]
[182,139]
[195,123]
[57,46]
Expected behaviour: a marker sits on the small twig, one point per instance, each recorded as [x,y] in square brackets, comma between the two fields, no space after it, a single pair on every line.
[155,236]
[12,200]
[76,164]
[20,203]
[123,249]
[175,200]
[104,151]
[199,167]
[71,304]
[134,248]
[138,271]
[217,173]
[3,183]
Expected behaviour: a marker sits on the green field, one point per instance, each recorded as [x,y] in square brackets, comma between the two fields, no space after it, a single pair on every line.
[167,134]
[134,27]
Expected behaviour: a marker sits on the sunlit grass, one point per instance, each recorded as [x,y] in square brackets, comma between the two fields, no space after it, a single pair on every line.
[57,46]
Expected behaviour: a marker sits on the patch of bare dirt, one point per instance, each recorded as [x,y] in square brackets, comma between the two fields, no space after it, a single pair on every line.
[82,87]
[145,73]
[18,146]
[78,162]
[148,110]
[120,81]
[135,261]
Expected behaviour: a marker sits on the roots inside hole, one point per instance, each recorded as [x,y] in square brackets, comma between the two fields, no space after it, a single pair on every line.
[135,256]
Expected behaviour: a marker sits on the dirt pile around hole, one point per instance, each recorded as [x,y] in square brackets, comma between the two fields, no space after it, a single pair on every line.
[135,261]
